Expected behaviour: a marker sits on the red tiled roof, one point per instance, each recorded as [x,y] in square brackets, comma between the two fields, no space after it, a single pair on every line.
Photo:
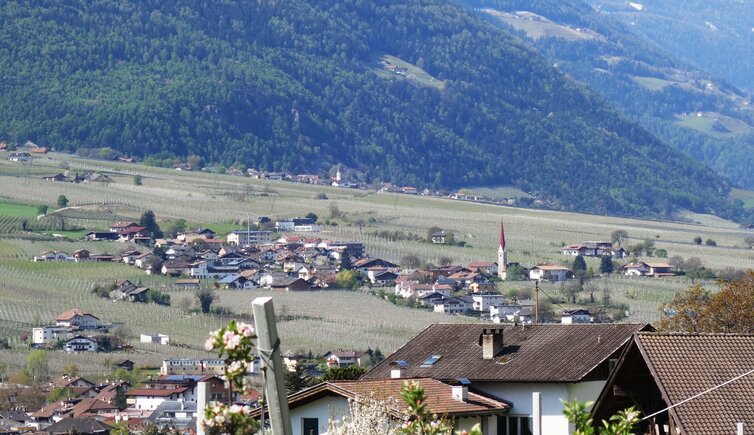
[438,397]
[159,392]
[70,314]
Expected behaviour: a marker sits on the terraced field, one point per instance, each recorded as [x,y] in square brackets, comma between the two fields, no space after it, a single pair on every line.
[33,293]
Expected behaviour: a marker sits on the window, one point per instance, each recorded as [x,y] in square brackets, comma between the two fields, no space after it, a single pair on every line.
[310,426]
[429,362]
[514,425]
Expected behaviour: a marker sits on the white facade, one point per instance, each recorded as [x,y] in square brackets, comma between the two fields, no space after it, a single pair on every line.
[86,321]
[80,344]
[155,338]
[46,334]
[483,302]
[552,419]
[243,237]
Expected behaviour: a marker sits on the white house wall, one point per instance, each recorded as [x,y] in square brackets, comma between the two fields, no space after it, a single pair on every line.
[553,420]
[321,410]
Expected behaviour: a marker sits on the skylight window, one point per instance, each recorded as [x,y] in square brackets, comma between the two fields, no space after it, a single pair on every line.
[429,362]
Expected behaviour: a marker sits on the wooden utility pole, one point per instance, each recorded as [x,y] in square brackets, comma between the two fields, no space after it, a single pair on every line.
[536,302]
[269,351]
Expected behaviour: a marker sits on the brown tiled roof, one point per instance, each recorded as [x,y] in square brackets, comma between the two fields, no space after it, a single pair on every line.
[438,397]
[531,353]
[70,314]
[156,392]
[92,406]
[684,365]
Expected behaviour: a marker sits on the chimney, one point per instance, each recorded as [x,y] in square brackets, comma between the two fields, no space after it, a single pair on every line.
[491,341]
[460,392]
[396,372]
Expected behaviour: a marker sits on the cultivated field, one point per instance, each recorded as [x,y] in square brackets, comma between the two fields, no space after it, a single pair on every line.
[33,293]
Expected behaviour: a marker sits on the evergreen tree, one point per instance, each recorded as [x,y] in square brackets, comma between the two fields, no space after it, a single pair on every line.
[579,264]
[62,201]
[149,222]
[606,265]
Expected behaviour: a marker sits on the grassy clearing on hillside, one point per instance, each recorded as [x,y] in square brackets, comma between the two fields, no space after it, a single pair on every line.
[651,83]
[747,196]
[714,124]
[413,72]
[536,26]
[16,210]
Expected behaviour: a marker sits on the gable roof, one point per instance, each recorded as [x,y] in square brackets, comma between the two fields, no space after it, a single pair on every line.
[70,314]
[79,425]
[438,397]
[531,353]
[684,365]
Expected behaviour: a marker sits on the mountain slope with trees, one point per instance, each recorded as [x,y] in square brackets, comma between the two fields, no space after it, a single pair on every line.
[691,109]
[299,86]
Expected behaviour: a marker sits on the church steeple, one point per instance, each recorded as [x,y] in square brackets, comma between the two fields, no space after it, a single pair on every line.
[502,255]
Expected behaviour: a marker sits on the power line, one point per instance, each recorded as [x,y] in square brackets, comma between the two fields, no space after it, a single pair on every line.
[708,390]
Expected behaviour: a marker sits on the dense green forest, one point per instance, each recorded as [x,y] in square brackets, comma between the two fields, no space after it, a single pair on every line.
[647,83]
[297,85]
[716,35]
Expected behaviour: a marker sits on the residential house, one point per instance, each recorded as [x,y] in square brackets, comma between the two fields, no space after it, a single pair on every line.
[485,267]
[81,255]
[162,339]
[56,177]
[249,237]
[47,334]
[660,269]
[428,300]
[96,236]
[53,256]
[188,283]
[438,237]
[382,277]
[290,284]
[77,318]
[513,312]
[683,383]
[235,281]
[19,157]
[192,366]
[118,227]
[129,257]
[578,315]
[453,305]
[550,272]
[173,387]
[483,301]
[482,287]
[345,358]
[82,426]
[532,367]
[175,267]
[125,364]
[80,343]
[312,408]
[635,269]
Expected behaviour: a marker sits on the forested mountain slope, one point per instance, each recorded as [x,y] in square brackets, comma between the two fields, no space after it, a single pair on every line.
[692,109]
[301,85]
[717,35]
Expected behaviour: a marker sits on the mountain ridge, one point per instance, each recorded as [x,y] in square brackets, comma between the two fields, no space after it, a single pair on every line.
[292,86]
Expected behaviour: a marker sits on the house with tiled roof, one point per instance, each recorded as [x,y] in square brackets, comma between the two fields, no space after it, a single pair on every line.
[684,383]
[550,272]
[345,358]
[522,364]
[77,318]
[312,408]
[82,426]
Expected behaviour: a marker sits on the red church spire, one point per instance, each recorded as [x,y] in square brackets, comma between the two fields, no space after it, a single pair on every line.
[502,236]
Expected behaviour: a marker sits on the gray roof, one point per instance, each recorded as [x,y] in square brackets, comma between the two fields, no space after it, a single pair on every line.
[530,353]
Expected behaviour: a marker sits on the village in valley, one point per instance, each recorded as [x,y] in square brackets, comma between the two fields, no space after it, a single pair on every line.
[498,361]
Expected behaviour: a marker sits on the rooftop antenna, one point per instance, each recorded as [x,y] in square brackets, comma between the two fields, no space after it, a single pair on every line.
[536,302]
